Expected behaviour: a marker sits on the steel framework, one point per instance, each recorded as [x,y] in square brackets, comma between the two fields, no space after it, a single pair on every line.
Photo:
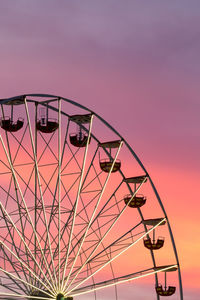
[65,226]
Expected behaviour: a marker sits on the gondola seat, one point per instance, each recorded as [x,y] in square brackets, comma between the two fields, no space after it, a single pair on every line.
[137,201]
[8,125]
[76,141]
[165,291]
[153,245]
[106,164]
[47,126]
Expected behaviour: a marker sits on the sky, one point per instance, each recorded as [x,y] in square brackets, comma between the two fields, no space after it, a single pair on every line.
[136,64]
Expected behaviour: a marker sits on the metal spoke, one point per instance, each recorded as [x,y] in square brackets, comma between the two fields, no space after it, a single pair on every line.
[94,211]
[106,233]
[25,282]
[41,194]
[54,195]
[116,256]
[24,202]
[119,280]
[77,198]
[24,288]
[26,266]
[22,239]
[23,296]
[12,162]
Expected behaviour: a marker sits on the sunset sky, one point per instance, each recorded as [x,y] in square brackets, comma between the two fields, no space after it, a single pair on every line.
[136,64]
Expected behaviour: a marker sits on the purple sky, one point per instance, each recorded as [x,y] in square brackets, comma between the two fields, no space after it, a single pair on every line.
[135,63]
[105,53]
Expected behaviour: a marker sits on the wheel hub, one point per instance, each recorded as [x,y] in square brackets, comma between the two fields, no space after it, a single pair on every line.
[60,297]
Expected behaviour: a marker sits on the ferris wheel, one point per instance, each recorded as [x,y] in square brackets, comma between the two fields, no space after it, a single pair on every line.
[79,215]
